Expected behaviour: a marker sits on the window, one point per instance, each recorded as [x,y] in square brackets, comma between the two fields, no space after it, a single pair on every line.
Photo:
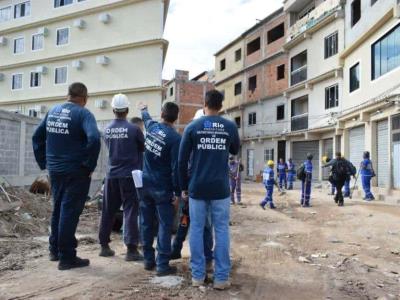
[331,45]
[61,75]
[222,65]
[280,72]
[332,96]
[238,122]
[16,82]
[253,46]
[36,79]
[37,42]
[252,83]
[276,33]
[238,88]
[33,113]
[299,68]
[19,45]
[252,119]
[22,10]
[5,14]
[309,8]
[386,53]
[268,154]
[280,112]
[238,54]
[355,77]
[171,91]
[355,12]
[59,3]
[62,36]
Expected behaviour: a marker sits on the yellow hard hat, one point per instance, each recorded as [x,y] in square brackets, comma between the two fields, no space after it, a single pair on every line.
[270,163]
[324,158]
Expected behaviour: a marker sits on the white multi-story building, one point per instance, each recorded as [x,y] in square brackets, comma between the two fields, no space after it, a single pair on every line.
[110,45]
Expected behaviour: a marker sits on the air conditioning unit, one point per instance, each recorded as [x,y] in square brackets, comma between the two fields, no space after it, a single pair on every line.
[77,64]
[105,18]
[41,69]
[79,23]
[1,76]
[43,31]
[102,60]
[3,41]
[102,104]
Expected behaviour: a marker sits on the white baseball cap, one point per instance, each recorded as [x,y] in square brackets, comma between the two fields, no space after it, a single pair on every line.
[198,114]
[120,102]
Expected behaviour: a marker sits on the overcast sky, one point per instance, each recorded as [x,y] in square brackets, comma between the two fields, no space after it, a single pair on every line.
[197,29]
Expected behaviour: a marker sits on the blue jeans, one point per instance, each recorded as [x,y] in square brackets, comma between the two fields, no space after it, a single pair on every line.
[69,196]
[152,207]
[220,214]
[347,188]
[268,197]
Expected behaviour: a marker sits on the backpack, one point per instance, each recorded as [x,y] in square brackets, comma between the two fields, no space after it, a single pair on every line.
[301,172]
[342,169]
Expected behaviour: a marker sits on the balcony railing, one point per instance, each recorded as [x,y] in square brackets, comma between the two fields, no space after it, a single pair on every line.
[299,122]
[313,18]
[298,75]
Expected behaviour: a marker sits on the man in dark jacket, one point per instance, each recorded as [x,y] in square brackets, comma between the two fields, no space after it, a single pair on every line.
[67,144]
[125,143]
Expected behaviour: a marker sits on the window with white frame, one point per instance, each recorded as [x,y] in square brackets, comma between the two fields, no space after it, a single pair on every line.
[60,3]
[19,45]
[5,14]
[332,96]
[268,154]
[16,82]
[36,79]
[37,41]
[22,9]
[61,74]
[62,36]
[252,119]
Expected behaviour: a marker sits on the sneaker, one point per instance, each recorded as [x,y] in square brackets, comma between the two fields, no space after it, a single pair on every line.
[306,205]
[209,267]
[133,254]
[240,203]
[53,257]
[271,205]
[341,203]
[149,266]
[72,264]
[169,271]
[222,285]
[197,283]
[106,251]
[262,206]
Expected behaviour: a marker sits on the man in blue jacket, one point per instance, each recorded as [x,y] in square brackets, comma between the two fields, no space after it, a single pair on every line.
[306,182]
[367,173]
[160,187]
[209,140]
[125,143]
[67,143]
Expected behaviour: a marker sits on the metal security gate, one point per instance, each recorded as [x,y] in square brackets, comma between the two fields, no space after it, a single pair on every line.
[396,151]
[356,144]
[328,151]
[250,162]
[382,151]
[299,155]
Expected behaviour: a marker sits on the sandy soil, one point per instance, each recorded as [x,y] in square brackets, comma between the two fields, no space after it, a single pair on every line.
[323,252]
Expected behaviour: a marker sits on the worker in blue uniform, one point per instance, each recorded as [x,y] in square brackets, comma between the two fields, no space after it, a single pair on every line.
[282,170]
[291,173]
[269,182]
[306,181]
[67,144]
[367,172]
[160,187]
[353,172]
[125,143]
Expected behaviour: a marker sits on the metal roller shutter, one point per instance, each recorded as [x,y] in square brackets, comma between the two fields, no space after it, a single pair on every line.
[300,150]
[382,151]
[356,145]
[328,151]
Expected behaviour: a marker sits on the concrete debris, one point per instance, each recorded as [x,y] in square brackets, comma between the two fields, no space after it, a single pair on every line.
[319,255]
[167,281]
[334,240]
[305,260]
[395,251]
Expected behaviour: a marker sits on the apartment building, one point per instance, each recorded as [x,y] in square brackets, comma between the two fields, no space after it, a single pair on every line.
[315,93]
[370,118]
[252,73]
[111,45]
[188,94]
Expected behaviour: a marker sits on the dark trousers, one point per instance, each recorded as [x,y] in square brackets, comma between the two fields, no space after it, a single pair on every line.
[156,205]
[70,192]
[236,186]
[117,192]
[305,192]
[339,193]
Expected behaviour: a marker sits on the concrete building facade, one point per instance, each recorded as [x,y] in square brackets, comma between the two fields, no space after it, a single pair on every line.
[111,45]
[252,73]
[188,94]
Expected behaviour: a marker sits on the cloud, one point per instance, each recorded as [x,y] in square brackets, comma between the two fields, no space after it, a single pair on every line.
[196,29]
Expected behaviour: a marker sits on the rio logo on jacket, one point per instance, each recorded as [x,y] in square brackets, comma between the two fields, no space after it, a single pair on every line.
[212,137]
[155,141]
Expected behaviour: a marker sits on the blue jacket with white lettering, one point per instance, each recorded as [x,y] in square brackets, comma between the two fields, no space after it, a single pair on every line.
[125,143]
[160,170]
[210,139]
[67,140]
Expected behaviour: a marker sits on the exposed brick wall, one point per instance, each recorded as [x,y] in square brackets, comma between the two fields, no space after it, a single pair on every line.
[275,46]
[256,56]
[31,167]
[9,146]
[259,92]
[274,86]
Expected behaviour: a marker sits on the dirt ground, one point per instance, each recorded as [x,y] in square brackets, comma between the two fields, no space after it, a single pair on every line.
[322,252]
